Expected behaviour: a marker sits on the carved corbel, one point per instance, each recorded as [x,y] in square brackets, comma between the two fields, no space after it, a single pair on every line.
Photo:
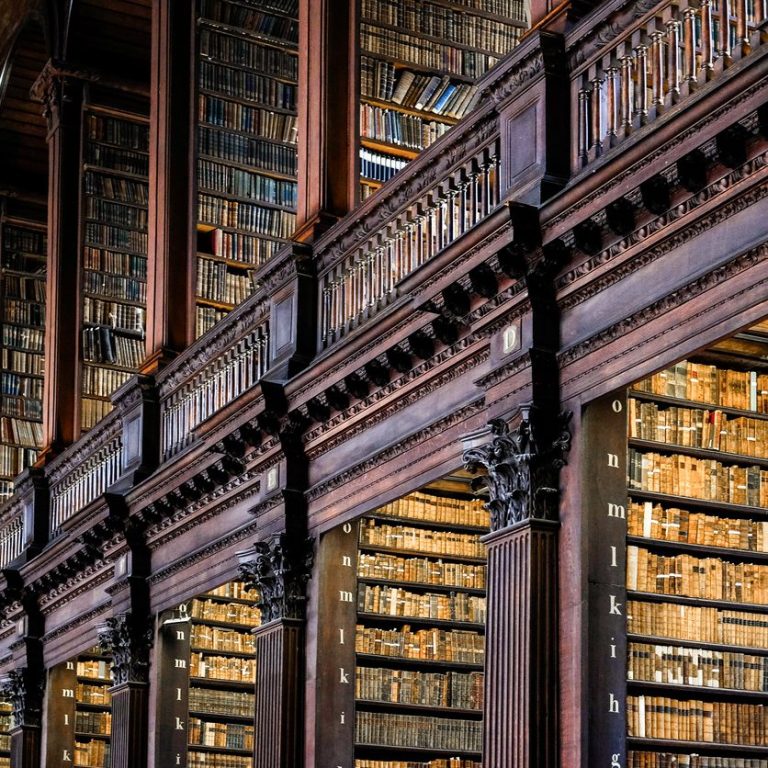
[127,639]
[23,689]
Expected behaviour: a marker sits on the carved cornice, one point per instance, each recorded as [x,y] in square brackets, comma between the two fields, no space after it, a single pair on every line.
[522,476]
[53,87]
[417,438]
[59,591]
[23,689]
[84,618]
[127,638]
[280,569]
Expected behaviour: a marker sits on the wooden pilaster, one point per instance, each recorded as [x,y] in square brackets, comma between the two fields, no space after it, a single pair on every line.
[170,265]
[328,114]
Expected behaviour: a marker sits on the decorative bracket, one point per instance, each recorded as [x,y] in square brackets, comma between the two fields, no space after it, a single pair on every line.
[23,689]
[127,639]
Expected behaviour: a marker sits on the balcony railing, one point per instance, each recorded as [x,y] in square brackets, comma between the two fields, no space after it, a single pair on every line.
[85,470]
[11,532]
[212,386]
[658,63]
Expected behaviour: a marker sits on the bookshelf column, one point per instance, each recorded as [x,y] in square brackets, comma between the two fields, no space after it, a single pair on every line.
[328,118]
[170,298]
[279,569]
[521,724]
[61,92]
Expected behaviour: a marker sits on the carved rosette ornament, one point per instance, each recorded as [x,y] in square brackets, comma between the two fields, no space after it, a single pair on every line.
[23,690]
[128,641]
[522,477]
[280,569]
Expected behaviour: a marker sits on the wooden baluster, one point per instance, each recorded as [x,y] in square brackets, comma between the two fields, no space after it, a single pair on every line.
[742,47]
[641,91]
[658,61]
[707,38]
[725,32]
[584,125]
[596,111]
[613,96]
[690,67]
[494,184]
[674,63]
[626,93]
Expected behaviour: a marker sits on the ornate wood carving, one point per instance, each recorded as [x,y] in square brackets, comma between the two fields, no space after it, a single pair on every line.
[23,689]
[127,638]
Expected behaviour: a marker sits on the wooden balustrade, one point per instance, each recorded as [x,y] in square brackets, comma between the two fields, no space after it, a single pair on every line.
[212,387]
[85,471]
[650,68]
[365,280]
[11,532]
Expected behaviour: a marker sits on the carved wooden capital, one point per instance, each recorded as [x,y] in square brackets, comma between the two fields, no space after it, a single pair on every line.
[279,569]
[23,689]
[127,639]
[521,474]
[56,87]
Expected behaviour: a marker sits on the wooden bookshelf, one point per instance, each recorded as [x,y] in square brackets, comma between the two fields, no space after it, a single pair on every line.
[418,63]
[247,78]
[22,298]
[696,569]
[6,723]
[114,277]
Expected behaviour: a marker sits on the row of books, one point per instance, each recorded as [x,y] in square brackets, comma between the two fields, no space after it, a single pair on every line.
[251,19]
[393,601]
[420,570]
[24,287]
[216,760]
[662,717]
[123,133]
[115,286]
[216,283]
[215,702]
[6,491]
[14,460]
[425,644]
[699,428]
[709,578]
[447,762]
[706,479]
[100,184]
[377,78]
[512,9]
[413,49]
[418,731]
[24,312]
[100,669]
[222,639]
[460,690]
[21,432]
[246,216]
[127,317]
[276,126]
[206,318]
[227,735]
[115,263]
[102,382]
[747,390]
[88,693]
[23,239]
[236,246]
[21,386]
[23,362]
[252,54]
[393,127]
[432,93]
[22,407]
[378,167]
[93,411]
[236,590]
[93,722]
[247,85]
[637,759]
[225,179]
[32,339]
[222,667]
[376,533]
[110,212]
[673,524]
[114,159]
[95,753]
[233,613]
[698,624]
[677,665]
[267,155]
[438,509]
[102,345]
[116,237]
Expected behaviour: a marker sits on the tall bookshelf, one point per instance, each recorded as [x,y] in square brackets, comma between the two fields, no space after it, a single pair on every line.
[6,723]
[22,298]
[697,565]
[79,702]
[208,659]
[418,64]
[114,276]
[413,598]
[246,146]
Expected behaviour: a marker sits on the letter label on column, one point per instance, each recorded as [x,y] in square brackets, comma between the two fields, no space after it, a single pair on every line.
[615,607]
[70,665]
[617,406]
[342,717]
[341,635]
[617,510]
[613,461]
[615,761]
[66,719]
[614,564]
[180,634]
[179,724]
[346,561]
[68,693]
[66,757]
[347,527]
[345,596]
[613,704]
[180,663]
[343,676]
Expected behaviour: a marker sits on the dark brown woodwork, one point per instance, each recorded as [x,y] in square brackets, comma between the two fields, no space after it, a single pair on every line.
[171,253]
[328,114]
[521,668]
[129,724]
[62,93]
